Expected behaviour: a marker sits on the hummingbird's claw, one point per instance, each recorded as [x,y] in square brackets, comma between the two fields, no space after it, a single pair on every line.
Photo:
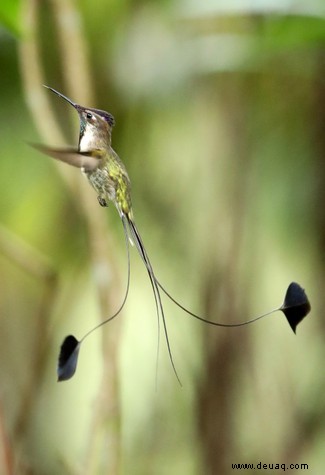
[102,201]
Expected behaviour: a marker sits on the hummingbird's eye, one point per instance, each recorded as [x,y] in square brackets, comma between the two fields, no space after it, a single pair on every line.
[89,115]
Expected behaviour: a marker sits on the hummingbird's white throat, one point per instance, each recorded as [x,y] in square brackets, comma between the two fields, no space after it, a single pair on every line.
[88,140]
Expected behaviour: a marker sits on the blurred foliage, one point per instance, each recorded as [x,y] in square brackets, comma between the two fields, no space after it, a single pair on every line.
[219,111]
[10,15]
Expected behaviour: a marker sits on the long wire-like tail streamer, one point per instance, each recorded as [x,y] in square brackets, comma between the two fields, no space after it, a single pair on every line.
[135,235]
[210,322]
[126,291]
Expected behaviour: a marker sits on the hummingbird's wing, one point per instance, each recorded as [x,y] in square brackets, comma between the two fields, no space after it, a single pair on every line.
[89,161]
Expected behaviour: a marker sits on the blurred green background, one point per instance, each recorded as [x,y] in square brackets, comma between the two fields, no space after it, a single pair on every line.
[220,116]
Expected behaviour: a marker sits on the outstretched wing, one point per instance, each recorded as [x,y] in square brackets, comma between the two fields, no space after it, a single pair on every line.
[89,161]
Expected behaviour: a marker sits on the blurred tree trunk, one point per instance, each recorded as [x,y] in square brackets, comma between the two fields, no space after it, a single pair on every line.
[227,348]
[318,118]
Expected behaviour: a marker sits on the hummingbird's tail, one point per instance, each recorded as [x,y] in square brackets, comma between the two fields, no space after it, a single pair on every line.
[135,237]
[295,308]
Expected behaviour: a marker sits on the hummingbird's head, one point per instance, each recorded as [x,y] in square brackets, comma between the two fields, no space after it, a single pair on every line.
[95,128]
[95,125]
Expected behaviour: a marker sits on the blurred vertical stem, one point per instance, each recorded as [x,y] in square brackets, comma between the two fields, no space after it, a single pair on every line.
[37,265]
[77,78]
[6,453]
[216,414]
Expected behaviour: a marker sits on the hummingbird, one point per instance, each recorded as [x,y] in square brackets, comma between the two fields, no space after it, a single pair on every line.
[107,174]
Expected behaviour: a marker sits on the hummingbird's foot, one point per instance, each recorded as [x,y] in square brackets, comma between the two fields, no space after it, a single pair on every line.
[102,201]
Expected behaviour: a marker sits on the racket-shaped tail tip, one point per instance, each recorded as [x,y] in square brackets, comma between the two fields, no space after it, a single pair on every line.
[296,305]
[68,358]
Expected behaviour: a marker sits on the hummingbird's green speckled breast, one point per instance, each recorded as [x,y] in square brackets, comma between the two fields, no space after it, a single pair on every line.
[103,184]
[112,183]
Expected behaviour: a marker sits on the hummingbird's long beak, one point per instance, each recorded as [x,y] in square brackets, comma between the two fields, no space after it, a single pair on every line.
[63,97]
